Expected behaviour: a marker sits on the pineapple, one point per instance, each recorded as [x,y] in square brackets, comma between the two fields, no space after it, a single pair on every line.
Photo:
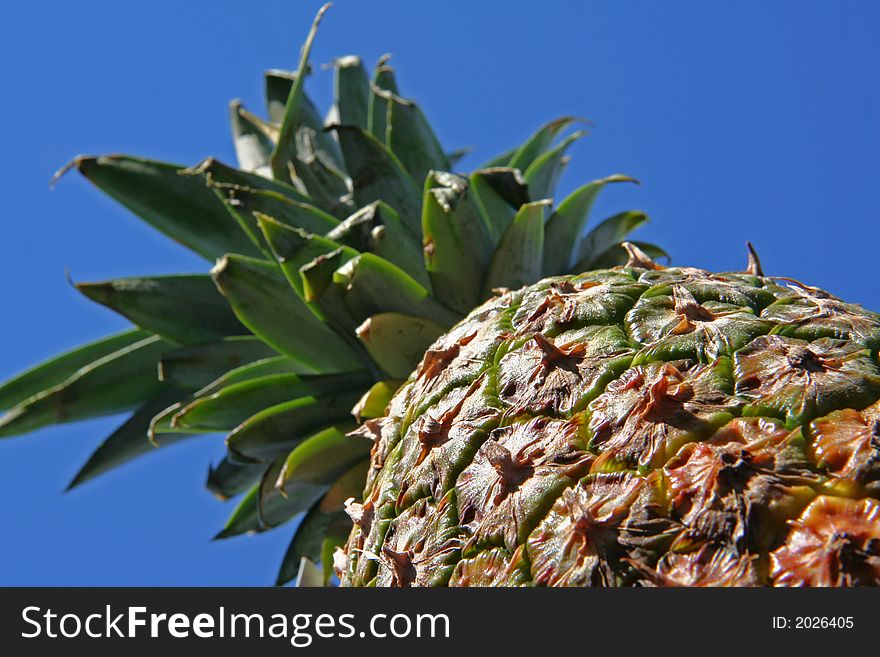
[403,364]
[638,425]
[341,249]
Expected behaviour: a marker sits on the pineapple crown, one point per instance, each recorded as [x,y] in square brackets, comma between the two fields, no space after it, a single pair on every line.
[343,247]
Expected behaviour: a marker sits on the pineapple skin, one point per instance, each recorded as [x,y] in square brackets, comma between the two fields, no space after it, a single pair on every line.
[631,426]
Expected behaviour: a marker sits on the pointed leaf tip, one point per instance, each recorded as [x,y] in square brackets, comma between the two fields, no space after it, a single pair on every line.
[73,164]
[638,258]
[540,141]
[754,263]
[285,148]
[183,308]
[129,440]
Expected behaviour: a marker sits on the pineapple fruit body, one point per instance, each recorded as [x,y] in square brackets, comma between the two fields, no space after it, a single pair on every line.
[631,426]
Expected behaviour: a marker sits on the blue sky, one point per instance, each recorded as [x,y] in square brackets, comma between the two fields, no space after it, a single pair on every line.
[744,120]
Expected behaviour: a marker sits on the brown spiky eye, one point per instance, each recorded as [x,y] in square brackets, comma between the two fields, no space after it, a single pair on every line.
[834,542]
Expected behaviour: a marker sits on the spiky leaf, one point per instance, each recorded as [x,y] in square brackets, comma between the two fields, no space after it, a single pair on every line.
[457,241]
[58,369]
[377,175]
[264,302]
[566,224]
[518,258]
[117,382]
[179,205]
[183,308]
[129,440]
[193,366]
[278,429]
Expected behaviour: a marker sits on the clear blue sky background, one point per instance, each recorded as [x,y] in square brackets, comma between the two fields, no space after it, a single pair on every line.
[744,120]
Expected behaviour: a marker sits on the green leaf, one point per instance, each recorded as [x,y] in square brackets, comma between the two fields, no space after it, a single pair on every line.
[328,549]
[285,149]
[317,280]
[328,299]
[263,507]
[129,440]
[517,260]
[543,173]
[264,367]
[411,138]
[275,506]
[160,423]
[316,164]
[329,459]
[566,224]
[178,205]
[160,428]
[397,342]
[539,142]
[322,458]
[377,175]
[500,191]
[194,366]
[314,160]
[183,308]
[278,87]
[291,213]
[251,138]
[117,382]
[383,76]
[377,228]
[375,400]
[233,404]
[228,185]
[607,234]
[57,369]
[327,186]
[373,285]
[278,429]
[168,422]
[500,161]
[308,541]
[457,241]
[245,518]
[219,176]
[227,479]
[262,299]
[294,248]
[351,89]
[383,81]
